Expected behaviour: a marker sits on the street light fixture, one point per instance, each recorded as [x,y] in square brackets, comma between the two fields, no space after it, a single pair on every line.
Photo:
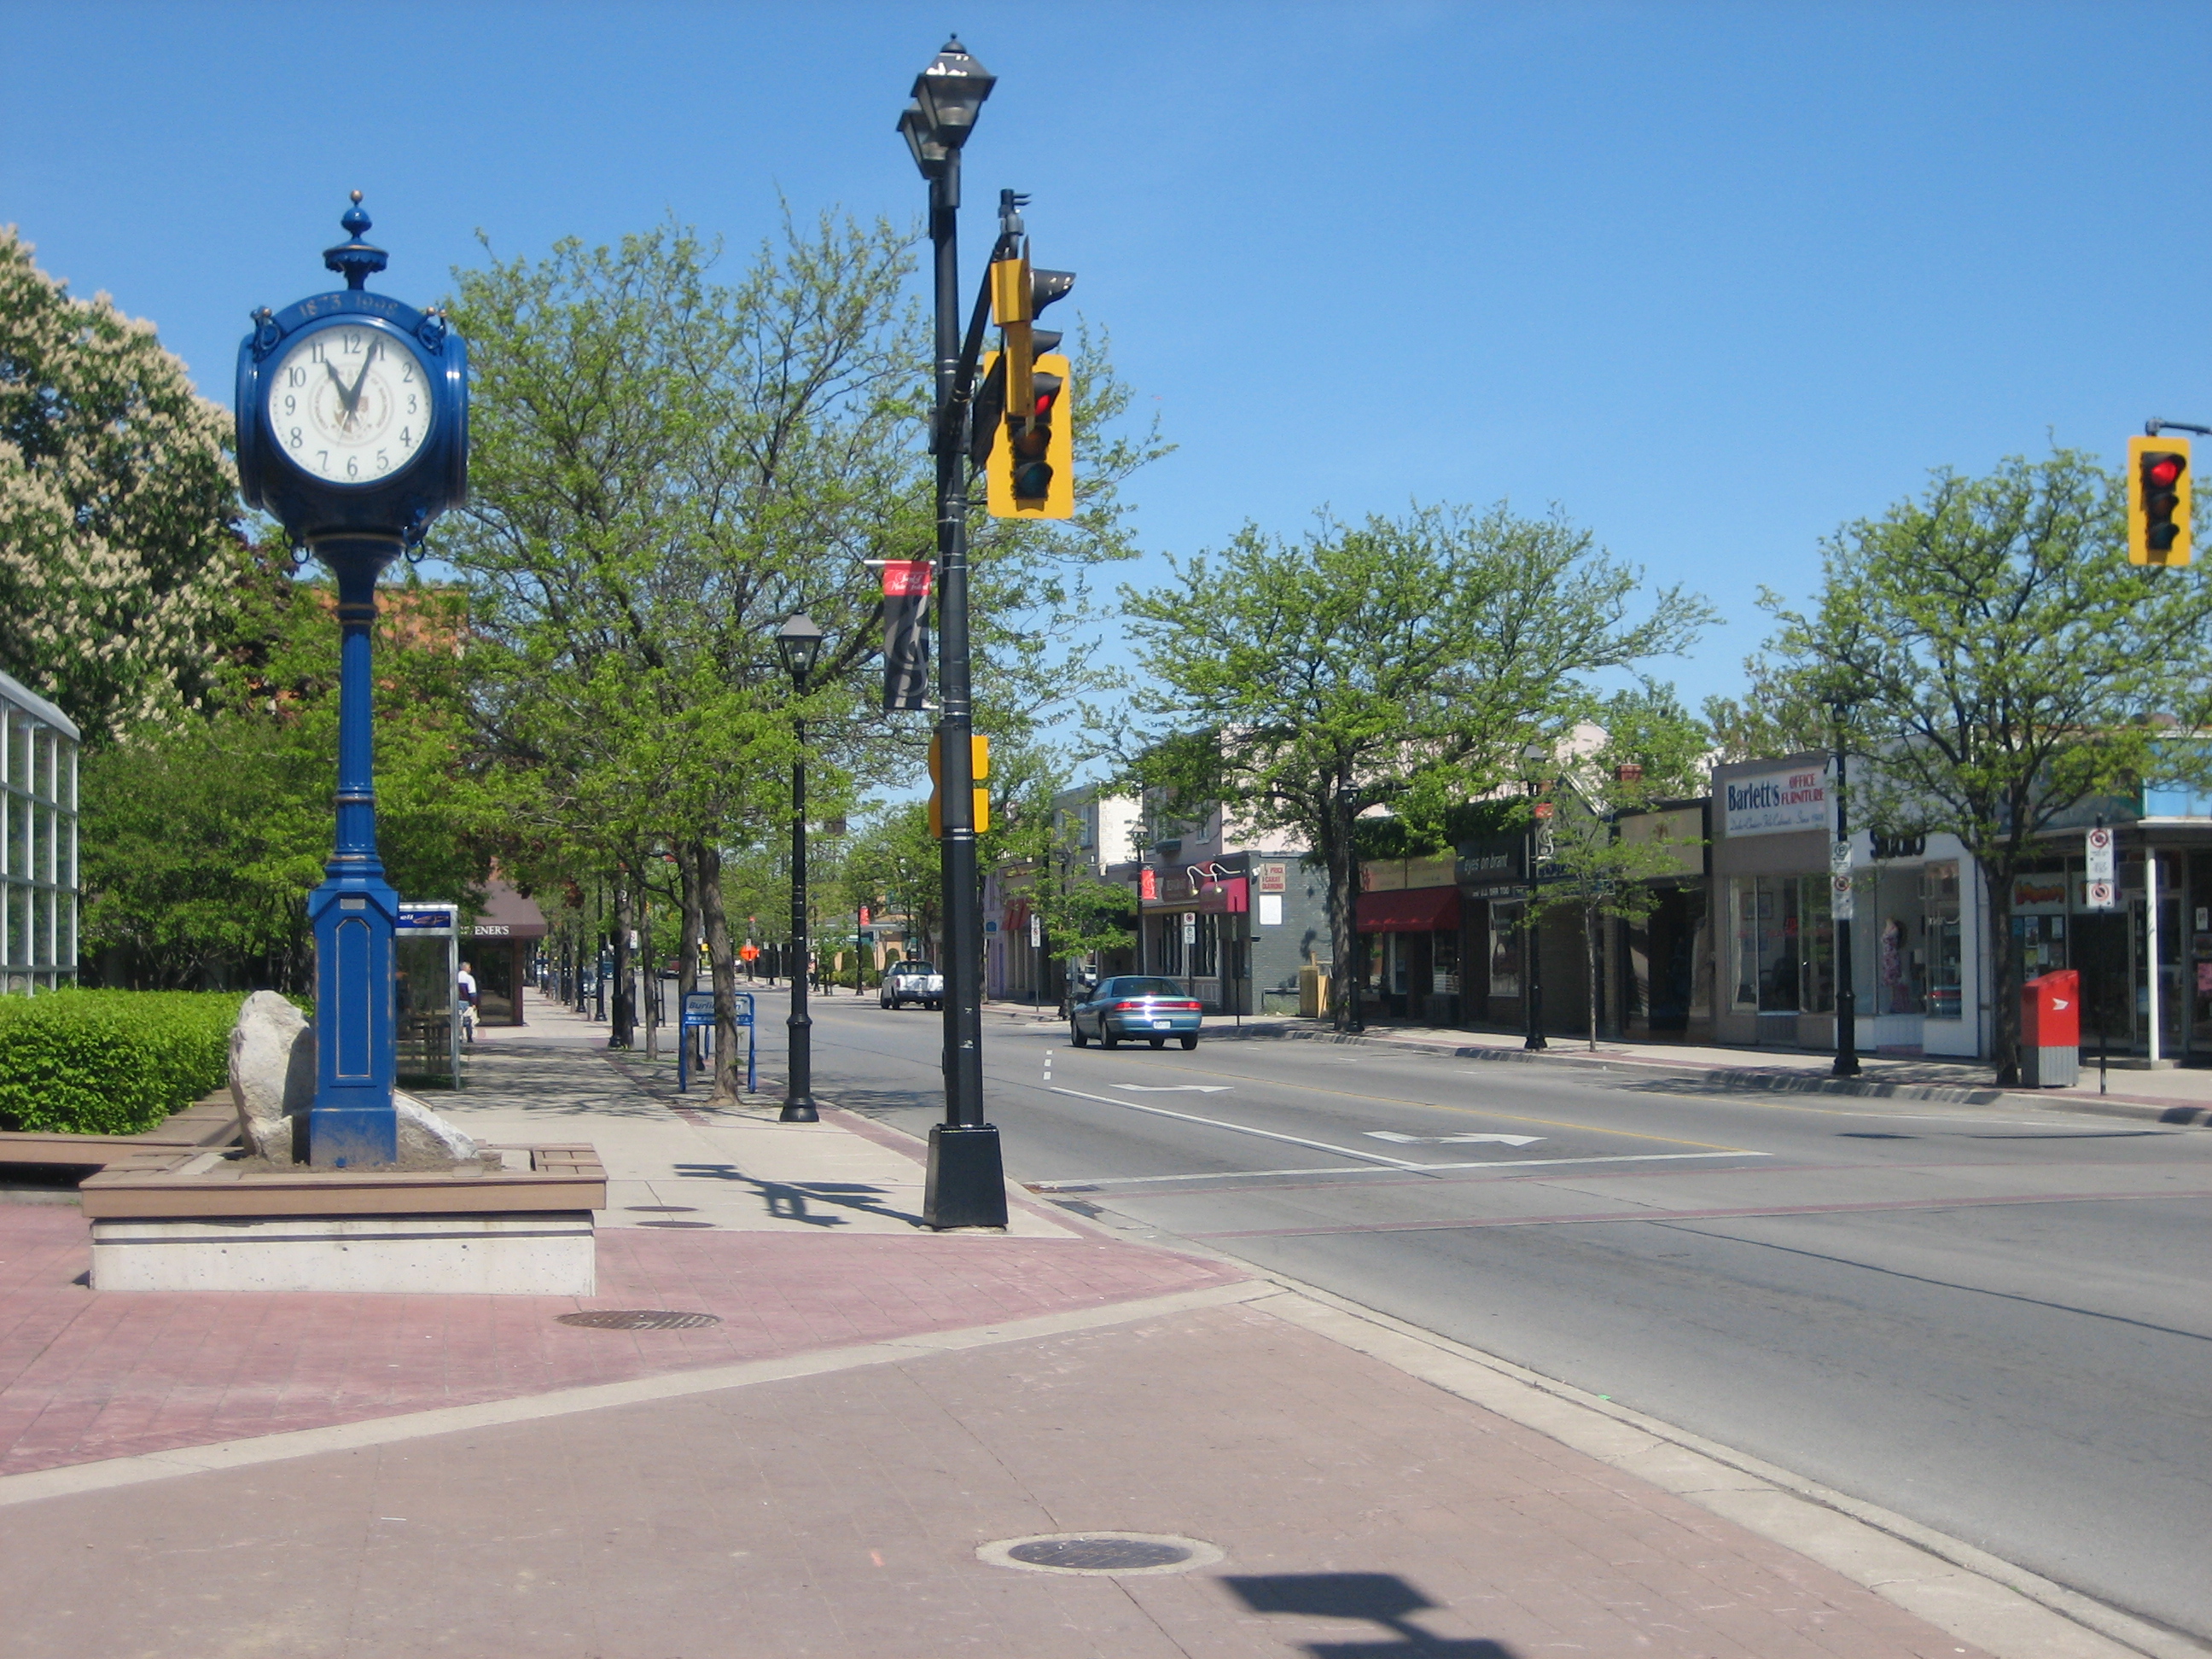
[798,642]
[1532,1001]
[965,1186]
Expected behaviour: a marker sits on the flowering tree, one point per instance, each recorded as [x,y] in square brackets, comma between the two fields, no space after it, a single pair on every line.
[119,533]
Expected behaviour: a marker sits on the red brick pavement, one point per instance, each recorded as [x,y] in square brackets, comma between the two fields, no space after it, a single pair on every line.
[87,1375]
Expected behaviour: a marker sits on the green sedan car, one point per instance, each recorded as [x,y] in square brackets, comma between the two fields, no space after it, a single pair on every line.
[1133,1006]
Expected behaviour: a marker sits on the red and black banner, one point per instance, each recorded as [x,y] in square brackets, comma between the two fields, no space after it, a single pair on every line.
[906,636]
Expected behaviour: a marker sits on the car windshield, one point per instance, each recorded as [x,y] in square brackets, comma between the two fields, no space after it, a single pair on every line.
[914,968]
[1144,987]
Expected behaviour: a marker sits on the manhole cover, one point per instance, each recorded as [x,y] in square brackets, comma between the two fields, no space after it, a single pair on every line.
[639,1319]
[1114,1552]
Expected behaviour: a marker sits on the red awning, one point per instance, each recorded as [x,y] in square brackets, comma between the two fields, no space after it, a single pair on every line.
[1409,910]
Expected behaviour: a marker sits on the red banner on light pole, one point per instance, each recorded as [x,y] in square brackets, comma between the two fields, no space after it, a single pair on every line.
[906,640]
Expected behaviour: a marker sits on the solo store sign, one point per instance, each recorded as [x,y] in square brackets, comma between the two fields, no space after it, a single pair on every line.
[1774,802]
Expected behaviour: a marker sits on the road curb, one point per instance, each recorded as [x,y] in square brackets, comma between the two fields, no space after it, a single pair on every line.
[1748,1079]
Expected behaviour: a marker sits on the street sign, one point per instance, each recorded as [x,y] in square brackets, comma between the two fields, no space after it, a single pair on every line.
[698,1015]
[1190,928]
[1839,880]
[1036,930]
[2102,890]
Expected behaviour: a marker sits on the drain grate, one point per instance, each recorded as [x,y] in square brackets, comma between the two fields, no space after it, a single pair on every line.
[639,1319]
[1101,1552]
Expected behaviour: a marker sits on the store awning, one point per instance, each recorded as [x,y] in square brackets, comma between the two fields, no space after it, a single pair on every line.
[1409,910]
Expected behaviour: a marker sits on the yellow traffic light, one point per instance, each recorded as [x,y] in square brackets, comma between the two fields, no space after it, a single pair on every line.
[2158,500]
[1031,475]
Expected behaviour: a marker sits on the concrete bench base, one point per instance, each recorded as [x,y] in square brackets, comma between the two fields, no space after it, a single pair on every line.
[541,1253]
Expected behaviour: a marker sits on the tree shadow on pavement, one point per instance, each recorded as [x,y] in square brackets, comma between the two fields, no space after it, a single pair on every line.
[1378,1598]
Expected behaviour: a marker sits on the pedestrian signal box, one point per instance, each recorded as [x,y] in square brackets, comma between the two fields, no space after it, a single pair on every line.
[2158,500]
[980,764]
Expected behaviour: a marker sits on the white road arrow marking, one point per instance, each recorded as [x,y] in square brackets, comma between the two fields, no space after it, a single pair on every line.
[1173,1088]
[1450,1140]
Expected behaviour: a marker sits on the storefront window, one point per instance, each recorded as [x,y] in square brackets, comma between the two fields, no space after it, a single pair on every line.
[1444,963]
[1784,944]
[1939,893]
[1205,948]
[1506,950]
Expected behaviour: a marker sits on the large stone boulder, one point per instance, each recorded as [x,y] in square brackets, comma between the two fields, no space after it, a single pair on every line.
[272,1074]
[424,1135]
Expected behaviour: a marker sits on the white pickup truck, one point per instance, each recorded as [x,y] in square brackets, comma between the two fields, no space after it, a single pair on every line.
[912,982]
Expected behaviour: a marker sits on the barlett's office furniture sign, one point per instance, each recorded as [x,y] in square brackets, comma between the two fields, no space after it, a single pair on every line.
[1769,803]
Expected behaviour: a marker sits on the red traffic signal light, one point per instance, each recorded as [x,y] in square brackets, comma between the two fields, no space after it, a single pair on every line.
[2158,500]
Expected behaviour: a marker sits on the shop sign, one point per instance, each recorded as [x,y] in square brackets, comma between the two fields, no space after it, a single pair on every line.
[1274,878]
[1778,802]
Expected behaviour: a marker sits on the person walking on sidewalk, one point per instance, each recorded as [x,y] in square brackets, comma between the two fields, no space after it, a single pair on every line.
[466,985]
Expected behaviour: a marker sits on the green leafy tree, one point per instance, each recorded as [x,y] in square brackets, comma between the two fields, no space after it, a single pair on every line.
[1999,665]
[1402,663]
[1653,750]
[118,506]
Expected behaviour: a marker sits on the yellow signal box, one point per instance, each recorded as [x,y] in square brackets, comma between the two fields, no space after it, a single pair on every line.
[2158,498]
[978,749]
[1031,475]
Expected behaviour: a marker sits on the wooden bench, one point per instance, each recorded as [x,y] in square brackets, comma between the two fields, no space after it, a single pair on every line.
[209,1122]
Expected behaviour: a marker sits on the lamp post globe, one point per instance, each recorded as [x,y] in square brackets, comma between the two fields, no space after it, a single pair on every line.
[798,642]
[965,1185]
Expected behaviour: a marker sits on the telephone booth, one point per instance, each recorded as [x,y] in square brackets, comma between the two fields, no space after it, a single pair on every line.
[426,964]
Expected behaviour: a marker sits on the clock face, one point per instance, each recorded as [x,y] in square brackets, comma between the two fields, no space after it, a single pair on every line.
[350,405]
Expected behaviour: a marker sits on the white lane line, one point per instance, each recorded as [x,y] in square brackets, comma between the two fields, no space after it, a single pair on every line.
[1172,1088]
[1447,1140]
[1067,1183]
[1243,1130]
[1208,1175]
[1618,1157]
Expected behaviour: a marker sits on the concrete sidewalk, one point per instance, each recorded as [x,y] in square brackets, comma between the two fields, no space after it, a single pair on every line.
[820,1462]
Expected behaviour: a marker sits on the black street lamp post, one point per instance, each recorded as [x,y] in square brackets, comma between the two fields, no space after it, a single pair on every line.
[1532,1001]
[798,641]
[966,1182]
[1847,996]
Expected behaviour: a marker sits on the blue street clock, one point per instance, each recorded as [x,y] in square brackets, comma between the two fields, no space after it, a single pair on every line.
[352,431]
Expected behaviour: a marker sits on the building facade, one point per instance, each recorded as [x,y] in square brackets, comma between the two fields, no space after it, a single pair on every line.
[38,842]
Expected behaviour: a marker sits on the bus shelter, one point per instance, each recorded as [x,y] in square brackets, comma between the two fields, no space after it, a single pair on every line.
[426,961]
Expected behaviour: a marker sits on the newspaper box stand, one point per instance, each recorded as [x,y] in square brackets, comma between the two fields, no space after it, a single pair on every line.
[698,1016]
[2050,1030]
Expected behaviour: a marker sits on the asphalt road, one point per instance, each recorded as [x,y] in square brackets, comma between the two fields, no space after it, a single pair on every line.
[1996,1321]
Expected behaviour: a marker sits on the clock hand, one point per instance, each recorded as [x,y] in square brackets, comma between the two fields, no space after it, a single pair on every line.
[354,401]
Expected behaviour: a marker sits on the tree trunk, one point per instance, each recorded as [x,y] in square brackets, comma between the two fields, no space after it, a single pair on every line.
[722,963]
[1590,958]
[1344,926]
[687,966]
[621,1017]
[2004,1046]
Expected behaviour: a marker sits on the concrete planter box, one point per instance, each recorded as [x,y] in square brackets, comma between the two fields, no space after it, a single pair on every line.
[194,1221]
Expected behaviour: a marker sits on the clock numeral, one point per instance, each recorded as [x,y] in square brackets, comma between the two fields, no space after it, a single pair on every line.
[406,437]
[382,460]
[352,344]
[407,375]
[296,438]
[291,404]
[315,351]
[353,466]
[323,459]
[410,407]
[295,377]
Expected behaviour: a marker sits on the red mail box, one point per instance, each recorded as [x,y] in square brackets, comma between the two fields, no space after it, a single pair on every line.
[2051,1011]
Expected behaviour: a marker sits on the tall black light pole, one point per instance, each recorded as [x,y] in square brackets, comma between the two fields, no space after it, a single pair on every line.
[1532,1003]
[966,1182]
[1839,869]
[798,641]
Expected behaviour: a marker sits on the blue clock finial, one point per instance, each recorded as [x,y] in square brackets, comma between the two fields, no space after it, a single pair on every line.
[355,260]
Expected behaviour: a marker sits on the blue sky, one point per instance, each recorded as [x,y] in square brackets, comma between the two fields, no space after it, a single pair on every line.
[1715,278]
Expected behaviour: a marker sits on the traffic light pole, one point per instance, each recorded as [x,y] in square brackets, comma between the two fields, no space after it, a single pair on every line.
[966,1182]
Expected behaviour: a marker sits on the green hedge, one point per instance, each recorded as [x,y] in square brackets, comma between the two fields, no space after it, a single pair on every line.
[111,1063]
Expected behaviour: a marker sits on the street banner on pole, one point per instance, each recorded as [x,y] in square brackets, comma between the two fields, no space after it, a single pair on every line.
[1839,880]
[906,641]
